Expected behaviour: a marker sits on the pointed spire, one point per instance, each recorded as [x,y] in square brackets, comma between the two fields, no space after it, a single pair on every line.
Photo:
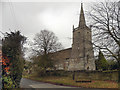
[82,22]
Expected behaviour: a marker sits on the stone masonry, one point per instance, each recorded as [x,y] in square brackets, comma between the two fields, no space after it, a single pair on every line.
[81,55]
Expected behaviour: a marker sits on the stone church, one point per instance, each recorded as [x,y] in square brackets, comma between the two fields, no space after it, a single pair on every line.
[81,55]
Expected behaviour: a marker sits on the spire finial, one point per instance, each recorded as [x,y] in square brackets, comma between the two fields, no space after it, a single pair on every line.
[82,22]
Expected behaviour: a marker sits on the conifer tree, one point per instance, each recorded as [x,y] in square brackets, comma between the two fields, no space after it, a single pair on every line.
[101,63]
[12,48]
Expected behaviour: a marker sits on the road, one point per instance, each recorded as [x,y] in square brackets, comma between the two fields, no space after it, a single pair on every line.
[27,83]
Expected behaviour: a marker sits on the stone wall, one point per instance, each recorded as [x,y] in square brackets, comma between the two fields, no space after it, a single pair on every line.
[93,75]
[61,58]
[97,75]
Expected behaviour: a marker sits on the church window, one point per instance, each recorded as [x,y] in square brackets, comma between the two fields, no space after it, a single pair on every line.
[78,33]
[67,58]
[87,68]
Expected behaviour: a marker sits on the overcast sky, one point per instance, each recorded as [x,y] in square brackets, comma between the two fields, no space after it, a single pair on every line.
[30,17]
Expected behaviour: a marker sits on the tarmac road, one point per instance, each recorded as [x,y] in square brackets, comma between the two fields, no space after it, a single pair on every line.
[27,83]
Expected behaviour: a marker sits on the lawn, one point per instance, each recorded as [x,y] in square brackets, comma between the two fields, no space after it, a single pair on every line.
[69,82]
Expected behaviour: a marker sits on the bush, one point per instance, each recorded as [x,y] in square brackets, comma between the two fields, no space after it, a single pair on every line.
[8,83]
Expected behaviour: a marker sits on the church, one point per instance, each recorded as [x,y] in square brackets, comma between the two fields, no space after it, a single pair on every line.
[80,56]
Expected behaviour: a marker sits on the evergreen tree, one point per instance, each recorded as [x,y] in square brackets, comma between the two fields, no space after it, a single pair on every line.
[12,46]
[101,63]
[113,65]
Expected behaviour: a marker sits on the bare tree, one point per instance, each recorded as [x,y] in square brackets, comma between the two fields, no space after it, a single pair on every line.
[106,29]
[46,42]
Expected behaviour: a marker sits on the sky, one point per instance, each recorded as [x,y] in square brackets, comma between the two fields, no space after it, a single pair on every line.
[30,17]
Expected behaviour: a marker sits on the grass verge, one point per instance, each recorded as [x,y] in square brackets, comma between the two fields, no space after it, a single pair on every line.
[67,81]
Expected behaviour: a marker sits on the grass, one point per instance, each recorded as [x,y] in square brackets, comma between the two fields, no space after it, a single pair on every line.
[69,82]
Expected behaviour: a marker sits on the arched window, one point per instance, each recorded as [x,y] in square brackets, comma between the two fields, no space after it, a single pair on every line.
[88,68]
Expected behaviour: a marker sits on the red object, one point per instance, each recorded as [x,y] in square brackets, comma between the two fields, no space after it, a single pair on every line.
[4,61]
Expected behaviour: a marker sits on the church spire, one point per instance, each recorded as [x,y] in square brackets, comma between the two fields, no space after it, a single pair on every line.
[82,22]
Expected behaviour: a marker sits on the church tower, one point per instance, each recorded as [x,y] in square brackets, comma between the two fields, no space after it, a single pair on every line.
[82,55]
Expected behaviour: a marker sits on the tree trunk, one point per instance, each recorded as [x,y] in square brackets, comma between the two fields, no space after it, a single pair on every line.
[119,77]
[119,72]
[118,68]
